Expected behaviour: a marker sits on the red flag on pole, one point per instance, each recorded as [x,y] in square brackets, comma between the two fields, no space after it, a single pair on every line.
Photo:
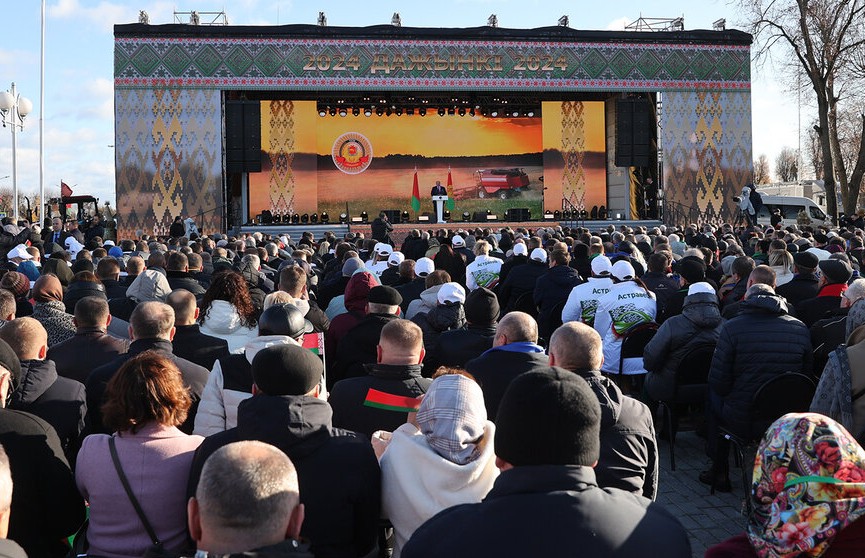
[415,193]
[450,202]
[65,190]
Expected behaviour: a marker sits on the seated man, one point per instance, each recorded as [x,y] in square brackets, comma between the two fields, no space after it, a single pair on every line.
[546,444]
[397,373]
[629,454]
[248,501]
[515,351]
[189,342]
[337,470]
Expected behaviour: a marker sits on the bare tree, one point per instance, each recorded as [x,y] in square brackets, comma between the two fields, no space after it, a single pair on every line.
[787,165]
[826,39]
[762,174]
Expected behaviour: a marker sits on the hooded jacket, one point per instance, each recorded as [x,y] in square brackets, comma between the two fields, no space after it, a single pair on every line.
[429,299]
[629,452]
[59,401]
[458,346]
[337,471]
[443,317]
[224,322]
[699,323]
[356,295]
[551,289]
[229,383]
[761,342]
[80,289]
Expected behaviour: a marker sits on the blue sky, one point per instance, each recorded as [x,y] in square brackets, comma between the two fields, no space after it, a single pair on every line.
[79,111]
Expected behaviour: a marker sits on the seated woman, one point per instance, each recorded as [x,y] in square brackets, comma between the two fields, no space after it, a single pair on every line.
[144,403]
[807,493]
[451,442]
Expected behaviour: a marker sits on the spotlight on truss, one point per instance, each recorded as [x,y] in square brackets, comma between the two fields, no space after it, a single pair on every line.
[395,20]
[322,19]
[493,20]
[564,22]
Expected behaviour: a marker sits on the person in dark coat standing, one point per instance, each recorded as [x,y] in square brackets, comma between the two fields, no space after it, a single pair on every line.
[522,280]
[151,328]
[176,230]
[553,288]
[337,471]
[55,234]
[381,228]
[515,351]
[396,373]
[758,344]
[189,343]
[39,390]
[46,506]
[546,444]
[833,282]
[91,347]
[358,347]
[458,346]
[804,284]
[256,481]
[629,453]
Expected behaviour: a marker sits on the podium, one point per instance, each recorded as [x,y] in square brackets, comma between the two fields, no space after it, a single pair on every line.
[439,203]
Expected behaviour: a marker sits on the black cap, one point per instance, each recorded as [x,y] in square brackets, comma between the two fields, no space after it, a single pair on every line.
[482,307]
[286,370]
[548,417]
[836,271]
[283,319]
[384,295]
[807,260]
[692,269]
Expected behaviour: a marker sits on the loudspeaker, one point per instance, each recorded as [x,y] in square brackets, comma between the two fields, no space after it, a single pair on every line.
[518,214]
[479,216]
[242,136]
[633,132]
[394,215]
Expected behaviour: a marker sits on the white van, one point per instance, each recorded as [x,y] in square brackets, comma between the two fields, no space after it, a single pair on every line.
[790,207]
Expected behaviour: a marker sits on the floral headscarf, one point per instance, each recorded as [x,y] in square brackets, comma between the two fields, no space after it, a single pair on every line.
[808,485]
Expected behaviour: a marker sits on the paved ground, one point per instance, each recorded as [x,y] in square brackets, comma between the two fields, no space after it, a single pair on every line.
[708,519]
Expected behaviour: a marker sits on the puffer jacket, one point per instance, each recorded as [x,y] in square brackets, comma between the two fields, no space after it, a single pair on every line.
[550,289]
[429,299]
[229,383]
[458,346]
[761,342]
[699,323]
[443,317]
[223,321]
[520,281]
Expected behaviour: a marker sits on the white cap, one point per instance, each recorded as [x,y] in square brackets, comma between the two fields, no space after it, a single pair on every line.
[383,249]
[396,258]
[820,253]
[451,292]
[701,287]
[424,267]
[623,270]
[21,252]
[457,241]
[601,265]
[520,249]
[108,243]
[539,255]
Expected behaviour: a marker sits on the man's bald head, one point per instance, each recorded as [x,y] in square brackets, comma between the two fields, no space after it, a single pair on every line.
[516,327]
[576,346]
[27,338]
[184,305]
[401,342]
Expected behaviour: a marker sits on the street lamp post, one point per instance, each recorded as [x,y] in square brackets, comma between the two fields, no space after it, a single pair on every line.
[13,110]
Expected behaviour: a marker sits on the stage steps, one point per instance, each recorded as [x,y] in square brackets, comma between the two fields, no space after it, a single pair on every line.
[295,231]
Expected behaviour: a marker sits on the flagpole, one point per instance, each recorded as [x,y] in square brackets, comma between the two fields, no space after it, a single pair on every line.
[42,124]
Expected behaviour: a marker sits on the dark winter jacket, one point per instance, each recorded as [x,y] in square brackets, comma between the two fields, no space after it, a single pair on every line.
[510,265]
[194,378]
[90,348]
[411,291]
[699,323]
[551,510]
[662,284]
[761,342]
[358,347]
[184,280]
[317,317]
[827,300]
[80,289]
[495,369]
[800,287]
[348,395]
[59,401]
[46,506]
[443,317]
[329,290]
[337,470]
[114,289]
[194,346]
[521,280]
[826,335]
[458,346]
[553,288]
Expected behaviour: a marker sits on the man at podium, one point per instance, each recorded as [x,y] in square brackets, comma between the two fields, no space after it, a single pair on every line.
[439,196]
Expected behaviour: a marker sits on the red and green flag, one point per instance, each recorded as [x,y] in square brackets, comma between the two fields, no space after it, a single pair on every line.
[450,202]
[415,193]
[391,402]
[314,342]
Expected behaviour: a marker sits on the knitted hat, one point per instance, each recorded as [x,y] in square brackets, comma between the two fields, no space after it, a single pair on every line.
[548,417]
[601,265]
[9,361]
[424,267]
[482,307]
[16,283]
[451,292]
[452,417]
[286,370]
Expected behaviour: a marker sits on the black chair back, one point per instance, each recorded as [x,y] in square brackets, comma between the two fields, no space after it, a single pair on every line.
[634,340]
[526,303]
[790,392]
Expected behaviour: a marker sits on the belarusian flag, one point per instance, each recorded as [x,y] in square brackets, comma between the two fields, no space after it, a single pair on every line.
[415,193]
[314,342]
[391,402]
[450,202]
